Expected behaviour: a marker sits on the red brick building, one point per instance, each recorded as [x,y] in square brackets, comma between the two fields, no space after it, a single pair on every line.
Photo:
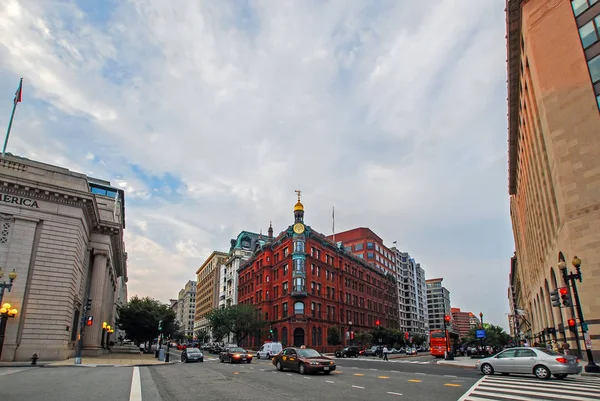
[461,321]
[303,284]
[367,245]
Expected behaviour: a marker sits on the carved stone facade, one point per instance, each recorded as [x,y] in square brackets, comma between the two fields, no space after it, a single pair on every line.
[554,168]
[62,232]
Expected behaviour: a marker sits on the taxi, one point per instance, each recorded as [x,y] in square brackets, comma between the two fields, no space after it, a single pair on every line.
[303,360]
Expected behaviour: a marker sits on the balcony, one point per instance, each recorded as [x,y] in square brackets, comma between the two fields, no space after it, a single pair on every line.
[298,294]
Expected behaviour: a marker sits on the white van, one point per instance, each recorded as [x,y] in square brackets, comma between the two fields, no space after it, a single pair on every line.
[268,350]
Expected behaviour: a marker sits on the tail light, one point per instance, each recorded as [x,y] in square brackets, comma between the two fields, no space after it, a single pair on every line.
[562,360]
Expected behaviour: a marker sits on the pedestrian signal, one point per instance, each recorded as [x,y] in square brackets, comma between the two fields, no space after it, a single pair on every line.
[571,323]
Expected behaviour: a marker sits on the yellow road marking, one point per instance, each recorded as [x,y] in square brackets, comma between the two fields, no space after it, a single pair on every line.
[415,381]
[236,373]
[452,385]
[358,374]
[337,373]
[383,377]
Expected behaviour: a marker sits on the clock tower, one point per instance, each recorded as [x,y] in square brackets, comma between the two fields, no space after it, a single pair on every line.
[299,254]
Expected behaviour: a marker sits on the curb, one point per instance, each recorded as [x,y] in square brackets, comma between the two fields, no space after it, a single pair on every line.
[590,374]
[456,366]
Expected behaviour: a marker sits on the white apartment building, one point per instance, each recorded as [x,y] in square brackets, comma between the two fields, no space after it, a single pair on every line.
[241,250]
[186,308]
[438,302]
[412,294]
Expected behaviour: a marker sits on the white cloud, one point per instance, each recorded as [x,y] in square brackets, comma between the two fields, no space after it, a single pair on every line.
[392,111]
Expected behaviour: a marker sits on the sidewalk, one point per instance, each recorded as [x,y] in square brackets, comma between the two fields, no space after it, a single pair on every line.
[91,361]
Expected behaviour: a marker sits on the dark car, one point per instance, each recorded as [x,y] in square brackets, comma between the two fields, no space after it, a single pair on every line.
[192,355]
[235,354]
[348,352]
[303,360]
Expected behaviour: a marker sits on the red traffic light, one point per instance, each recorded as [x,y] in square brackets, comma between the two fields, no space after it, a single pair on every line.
[377,323]
[563,291]
[571,322]
[90,321]
[447,318]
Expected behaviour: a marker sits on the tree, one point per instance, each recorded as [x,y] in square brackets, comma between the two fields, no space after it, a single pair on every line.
[363,338]
[495,336]
[333,336]
[203,336]
[419,339]
[139,319]
[239,320]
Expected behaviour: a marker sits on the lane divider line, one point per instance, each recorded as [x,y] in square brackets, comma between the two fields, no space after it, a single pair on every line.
[135,393]
[392,393]
[358,387]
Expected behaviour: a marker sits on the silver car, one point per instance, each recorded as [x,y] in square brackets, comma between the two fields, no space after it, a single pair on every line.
[540,362]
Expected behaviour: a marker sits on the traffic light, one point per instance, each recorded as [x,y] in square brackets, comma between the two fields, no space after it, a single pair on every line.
[572,327]
[565,296]
[270,331]
[555,298]
[88,304]
[377,323]
[160,325]
[90,320]
[447,318]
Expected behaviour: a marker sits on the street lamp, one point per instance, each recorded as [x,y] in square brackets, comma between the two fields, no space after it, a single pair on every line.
[350,331]
[448,355]
[104,326]
[7,310]
[569,279]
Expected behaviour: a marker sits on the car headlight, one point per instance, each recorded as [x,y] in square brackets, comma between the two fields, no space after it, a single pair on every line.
[314,363]
[331,362]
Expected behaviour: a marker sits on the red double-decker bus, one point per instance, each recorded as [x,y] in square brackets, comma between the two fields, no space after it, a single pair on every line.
[437,342]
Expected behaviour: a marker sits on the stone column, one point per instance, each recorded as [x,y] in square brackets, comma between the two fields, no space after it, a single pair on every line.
[93,334]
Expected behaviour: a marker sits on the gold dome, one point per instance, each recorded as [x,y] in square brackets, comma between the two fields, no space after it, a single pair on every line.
[299,207]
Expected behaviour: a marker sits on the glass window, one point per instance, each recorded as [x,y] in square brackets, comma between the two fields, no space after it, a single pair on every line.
[598,100]
[358,247]
[299,265]
[580,6]
[299,308]
[298,246]
[594,65]
[369,245]
[370,255]
[588,34]
[299,284]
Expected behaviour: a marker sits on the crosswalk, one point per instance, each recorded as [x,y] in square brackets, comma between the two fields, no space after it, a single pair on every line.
[519,388]
[391,361]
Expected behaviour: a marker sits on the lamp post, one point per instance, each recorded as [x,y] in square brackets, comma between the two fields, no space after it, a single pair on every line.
[350,331]
[447,355]
[569,279]
[481,325]
[7,310]
[104,326]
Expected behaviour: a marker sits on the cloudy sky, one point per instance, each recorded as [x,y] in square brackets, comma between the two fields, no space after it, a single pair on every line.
[210,113]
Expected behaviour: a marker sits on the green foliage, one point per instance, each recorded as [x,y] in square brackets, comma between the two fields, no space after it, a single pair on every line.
[333,336]
[239,320]
[203,336]
[495,335]
[419,339]
[363,338]
[140,316]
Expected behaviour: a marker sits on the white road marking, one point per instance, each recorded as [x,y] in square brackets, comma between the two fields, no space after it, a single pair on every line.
[423,374]
[262,370]
[354,367]
[450,376]
[358,387]
[372,369]
[289,374]
[306,377]
[135,393]
[329,381]
[392,393]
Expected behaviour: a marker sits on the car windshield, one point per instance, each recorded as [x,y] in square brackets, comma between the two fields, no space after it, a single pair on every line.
[237,349]
[308,353]
[193,351]
[549,352]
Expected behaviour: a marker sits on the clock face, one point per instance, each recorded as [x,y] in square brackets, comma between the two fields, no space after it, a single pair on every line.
[298,228]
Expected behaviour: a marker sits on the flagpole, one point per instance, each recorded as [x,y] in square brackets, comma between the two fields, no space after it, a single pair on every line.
[12,115]
[333,226]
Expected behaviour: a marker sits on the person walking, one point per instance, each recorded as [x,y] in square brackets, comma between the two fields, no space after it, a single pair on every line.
[142,347]
[385,353]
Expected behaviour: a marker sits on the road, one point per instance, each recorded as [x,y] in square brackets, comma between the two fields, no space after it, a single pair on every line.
[211,380]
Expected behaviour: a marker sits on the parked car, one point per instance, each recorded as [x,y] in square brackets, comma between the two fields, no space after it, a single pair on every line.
[303,360]
[192,355]
[348,352]
[540,362]
[411,351]
[235,354]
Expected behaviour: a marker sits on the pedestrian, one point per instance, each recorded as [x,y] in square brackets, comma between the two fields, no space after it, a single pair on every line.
[385,352]
[142,347]
[566,348]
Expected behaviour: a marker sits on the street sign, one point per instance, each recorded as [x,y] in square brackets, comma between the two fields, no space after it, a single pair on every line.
[480,333]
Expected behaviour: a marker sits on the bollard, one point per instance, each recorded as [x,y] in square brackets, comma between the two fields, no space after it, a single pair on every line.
[34,359]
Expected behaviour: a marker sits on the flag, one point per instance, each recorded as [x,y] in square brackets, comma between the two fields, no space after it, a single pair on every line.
[19,93]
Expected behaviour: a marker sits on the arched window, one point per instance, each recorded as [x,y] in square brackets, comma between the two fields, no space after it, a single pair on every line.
[298,245]
[319,336]
[299,308]
[284,336]
[314,337]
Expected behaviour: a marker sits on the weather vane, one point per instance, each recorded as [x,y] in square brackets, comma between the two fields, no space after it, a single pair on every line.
[299,193]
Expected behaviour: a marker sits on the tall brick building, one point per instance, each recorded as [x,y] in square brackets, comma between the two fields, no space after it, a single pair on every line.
[303,284]
[554,160]
[461,321]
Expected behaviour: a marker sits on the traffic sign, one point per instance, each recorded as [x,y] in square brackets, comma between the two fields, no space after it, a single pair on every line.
[480,333]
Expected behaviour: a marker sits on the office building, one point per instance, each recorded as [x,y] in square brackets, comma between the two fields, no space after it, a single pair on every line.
[438,303]
[186,309]
[207,288]
[554,158]
[461,321]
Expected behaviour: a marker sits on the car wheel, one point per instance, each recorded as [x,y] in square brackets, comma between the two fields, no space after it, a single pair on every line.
[279,367]
[268,356]
[257,356]
[541,372]
[487,369]
[302,369]
[344,355]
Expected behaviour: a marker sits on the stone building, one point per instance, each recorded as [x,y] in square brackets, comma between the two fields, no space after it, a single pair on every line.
[186,308]
[554,161]
[438,303]
[207,288]
[62,233]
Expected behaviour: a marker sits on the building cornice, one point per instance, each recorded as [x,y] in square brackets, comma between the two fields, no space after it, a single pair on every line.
[513,47]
